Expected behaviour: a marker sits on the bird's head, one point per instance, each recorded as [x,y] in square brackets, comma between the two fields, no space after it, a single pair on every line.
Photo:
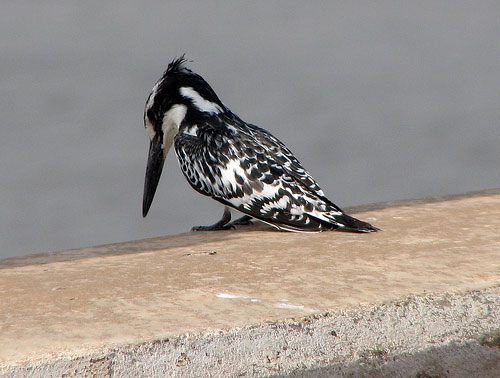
[180,95]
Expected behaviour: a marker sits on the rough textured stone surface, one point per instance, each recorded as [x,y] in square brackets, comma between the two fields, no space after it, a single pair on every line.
[420,299]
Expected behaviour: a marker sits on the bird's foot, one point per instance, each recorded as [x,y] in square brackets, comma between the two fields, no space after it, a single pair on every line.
[213,227]
[245,220]
[223,224]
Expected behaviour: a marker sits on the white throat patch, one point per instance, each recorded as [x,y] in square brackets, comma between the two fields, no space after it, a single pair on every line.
[171,122]
[201,104]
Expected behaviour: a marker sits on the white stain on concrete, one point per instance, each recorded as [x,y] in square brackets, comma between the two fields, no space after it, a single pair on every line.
[236,296]
[231,296]
[289,306]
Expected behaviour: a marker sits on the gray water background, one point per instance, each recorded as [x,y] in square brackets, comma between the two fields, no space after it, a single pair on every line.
[378,100]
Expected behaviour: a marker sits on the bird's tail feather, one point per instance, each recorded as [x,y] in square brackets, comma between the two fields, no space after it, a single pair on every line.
[352,224]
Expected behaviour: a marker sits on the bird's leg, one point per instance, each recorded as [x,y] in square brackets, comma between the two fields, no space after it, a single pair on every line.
[245,220]
[220,225]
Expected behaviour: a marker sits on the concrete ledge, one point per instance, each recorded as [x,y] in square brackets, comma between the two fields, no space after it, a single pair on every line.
[445,336]
[421,298]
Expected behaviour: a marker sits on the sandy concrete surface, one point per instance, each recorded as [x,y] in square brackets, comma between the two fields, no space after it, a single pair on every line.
[258,302]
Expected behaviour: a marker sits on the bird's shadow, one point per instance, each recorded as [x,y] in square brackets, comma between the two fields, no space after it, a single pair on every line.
[187,239]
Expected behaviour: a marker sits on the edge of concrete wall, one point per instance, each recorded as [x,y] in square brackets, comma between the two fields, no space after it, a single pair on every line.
[421,336]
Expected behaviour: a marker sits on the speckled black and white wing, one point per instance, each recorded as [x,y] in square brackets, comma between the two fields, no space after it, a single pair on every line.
[245,167]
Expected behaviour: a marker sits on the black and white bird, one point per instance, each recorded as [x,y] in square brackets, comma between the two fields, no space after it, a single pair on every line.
[240,165]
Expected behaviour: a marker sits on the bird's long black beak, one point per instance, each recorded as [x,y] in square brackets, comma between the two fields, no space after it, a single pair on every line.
[156,159]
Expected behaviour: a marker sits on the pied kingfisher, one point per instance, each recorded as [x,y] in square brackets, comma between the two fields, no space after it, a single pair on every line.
[236,163]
